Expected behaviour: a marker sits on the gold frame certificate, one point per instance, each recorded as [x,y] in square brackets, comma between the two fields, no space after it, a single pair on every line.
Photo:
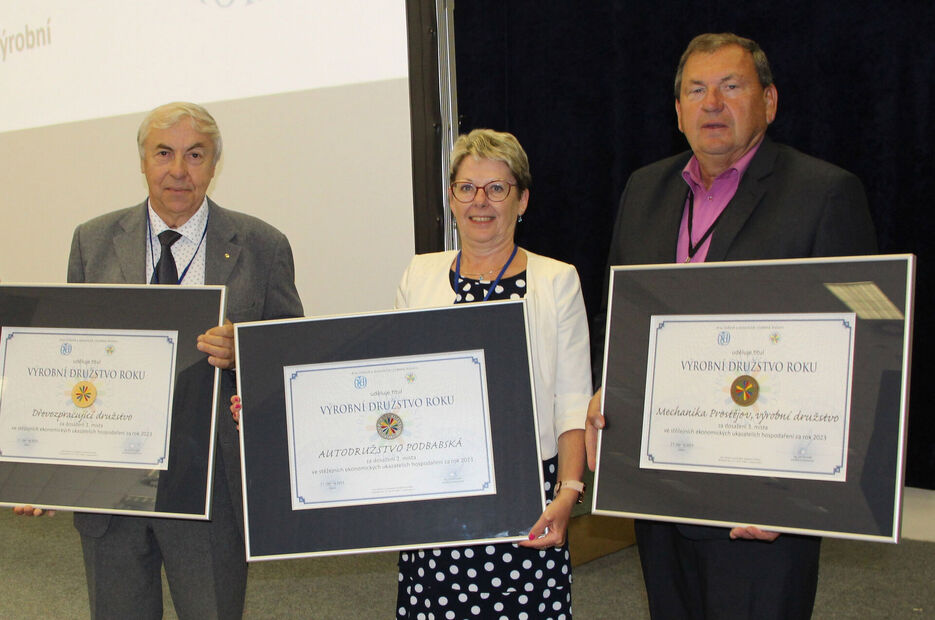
[389,430]
[91,397]
[756,395]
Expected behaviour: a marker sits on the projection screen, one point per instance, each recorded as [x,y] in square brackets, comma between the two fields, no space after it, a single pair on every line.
[312,101]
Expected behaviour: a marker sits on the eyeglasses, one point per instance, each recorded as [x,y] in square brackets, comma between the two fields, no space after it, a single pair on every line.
[496,191]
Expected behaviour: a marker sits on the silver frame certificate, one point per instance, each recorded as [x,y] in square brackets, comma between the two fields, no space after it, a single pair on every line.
[88,397]
[388,430]
[769,393]
[749,394]
[106,403]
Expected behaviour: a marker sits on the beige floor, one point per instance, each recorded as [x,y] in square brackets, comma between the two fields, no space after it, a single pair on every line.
[43,576]
[919,514]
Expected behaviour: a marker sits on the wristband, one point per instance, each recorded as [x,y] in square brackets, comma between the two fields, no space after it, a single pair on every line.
[576,485]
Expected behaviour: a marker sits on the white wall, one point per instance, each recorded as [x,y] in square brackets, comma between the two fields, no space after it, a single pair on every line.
[327,162]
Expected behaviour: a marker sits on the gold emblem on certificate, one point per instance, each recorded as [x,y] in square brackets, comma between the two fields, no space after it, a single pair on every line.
[83,394]
[744,390]
[389,426]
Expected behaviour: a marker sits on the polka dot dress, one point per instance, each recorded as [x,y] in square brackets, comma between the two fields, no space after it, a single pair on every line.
[487,581]
[469,290]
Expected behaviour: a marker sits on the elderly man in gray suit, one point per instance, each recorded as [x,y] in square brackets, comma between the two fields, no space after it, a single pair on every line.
[179,236]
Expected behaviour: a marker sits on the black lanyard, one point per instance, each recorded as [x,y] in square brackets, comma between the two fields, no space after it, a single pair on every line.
[693,248]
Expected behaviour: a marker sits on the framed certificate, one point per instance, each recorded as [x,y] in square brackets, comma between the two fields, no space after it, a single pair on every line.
[388,431]
[768,393]
[106,405]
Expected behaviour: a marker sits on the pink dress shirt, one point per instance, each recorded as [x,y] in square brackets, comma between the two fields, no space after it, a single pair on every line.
[709,203]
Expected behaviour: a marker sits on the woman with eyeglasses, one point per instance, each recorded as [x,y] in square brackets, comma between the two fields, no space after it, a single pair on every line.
[489,193]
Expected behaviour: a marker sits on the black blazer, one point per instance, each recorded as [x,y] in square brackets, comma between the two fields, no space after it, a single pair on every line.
[788,205]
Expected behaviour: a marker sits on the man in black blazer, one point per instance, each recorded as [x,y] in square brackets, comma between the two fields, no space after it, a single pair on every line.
[205,561]
[735,196]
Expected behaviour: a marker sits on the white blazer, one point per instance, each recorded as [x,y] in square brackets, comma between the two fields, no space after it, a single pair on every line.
[558,328]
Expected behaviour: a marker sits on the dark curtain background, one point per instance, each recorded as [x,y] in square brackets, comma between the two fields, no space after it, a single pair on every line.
[587,89]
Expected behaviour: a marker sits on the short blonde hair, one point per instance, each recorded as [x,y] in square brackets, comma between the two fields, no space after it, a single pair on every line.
[169,115]
[494,145]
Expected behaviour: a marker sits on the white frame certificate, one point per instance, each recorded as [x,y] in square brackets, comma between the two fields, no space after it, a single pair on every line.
[768,393]
[106,403]
[389,430]
[749,394]
[89,397]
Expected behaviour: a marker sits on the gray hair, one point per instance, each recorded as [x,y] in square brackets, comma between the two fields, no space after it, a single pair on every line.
[169,115]
[494,145]
[710,42]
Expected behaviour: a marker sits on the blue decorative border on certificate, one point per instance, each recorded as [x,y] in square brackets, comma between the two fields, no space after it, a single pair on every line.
[361,383]
[92,461]
[723,338]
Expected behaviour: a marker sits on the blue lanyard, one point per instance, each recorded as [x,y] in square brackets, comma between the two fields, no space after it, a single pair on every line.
[495,282]
[152,252]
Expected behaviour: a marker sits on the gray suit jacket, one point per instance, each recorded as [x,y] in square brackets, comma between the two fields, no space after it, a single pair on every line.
[250,257]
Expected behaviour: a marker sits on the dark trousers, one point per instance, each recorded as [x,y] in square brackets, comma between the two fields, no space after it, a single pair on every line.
[205,564]
[696,572]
